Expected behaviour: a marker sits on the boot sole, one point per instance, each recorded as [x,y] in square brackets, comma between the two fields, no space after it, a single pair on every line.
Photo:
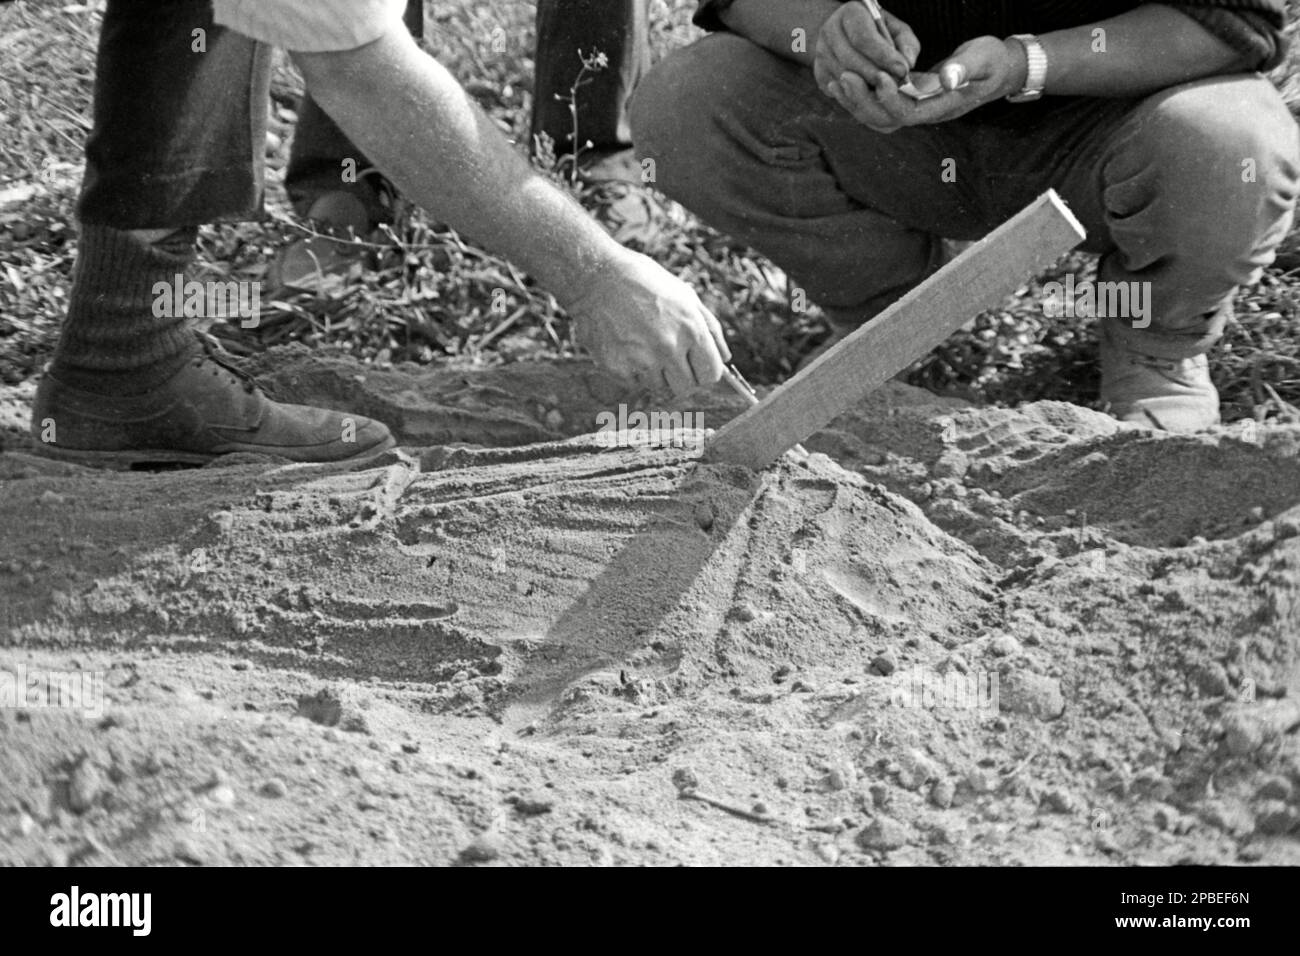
[129,459]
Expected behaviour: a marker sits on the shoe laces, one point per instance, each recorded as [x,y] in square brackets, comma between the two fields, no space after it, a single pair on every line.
[214,353]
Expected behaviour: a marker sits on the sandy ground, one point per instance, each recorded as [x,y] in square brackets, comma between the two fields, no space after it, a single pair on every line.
[951,636]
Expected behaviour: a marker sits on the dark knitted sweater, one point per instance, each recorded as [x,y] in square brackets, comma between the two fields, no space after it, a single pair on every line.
[1252,26]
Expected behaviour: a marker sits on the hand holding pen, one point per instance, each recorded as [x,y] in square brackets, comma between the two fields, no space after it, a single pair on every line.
[861,48]
[865,59]
[919,86]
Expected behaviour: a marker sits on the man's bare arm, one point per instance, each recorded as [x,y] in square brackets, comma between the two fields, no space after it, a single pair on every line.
[1145,50]
[421,128]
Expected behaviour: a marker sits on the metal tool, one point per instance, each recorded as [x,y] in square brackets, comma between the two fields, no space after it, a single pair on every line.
[740,385]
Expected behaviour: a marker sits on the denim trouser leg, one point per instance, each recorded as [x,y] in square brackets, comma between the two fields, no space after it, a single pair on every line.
[1192,191]
[319,146]
[747,140]
[617,28]
[179,133]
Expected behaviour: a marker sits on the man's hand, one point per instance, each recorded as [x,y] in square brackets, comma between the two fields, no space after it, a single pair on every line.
[851,48]
[644,324]
[978,72]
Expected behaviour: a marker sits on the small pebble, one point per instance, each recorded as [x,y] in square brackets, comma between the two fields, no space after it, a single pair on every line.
[1276,818]
[1060,800]
[534,804]
[1213,681]
[837,778]
[704,516]
[883,833]
[1004,645]
[85,786]
[484,849]
[1275,788]
[1166,818]
[1243,735]
[951,464]
[1034,695]
[981,781]
[916,769]
[942,793]
[829,852]
[275,789]
[685,779]
[884,663]
[223,795]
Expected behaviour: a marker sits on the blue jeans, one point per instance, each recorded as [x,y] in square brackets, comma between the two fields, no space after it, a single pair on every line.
[1190,189]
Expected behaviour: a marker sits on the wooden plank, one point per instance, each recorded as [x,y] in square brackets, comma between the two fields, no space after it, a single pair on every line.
[978,279]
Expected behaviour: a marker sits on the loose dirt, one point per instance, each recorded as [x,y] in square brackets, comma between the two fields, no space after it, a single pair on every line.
[953,635]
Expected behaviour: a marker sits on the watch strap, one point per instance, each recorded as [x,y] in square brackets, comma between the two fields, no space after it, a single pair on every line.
[1036,75]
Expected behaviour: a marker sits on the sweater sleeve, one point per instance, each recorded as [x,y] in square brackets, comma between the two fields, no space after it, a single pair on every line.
[1255,33]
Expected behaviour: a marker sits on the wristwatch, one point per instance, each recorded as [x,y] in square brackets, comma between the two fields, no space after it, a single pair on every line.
[1036,77]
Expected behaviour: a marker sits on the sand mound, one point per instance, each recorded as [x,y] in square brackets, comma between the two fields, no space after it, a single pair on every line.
[951,635]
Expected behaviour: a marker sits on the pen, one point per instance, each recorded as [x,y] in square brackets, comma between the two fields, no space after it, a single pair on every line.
[911,84]
[879,16]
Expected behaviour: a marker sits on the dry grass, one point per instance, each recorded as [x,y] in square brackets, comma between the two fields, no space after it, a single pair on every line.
[428,296]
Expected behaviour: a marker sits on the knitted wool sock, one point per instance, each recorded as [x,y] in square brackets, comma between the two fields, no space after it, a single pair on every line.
[112,342]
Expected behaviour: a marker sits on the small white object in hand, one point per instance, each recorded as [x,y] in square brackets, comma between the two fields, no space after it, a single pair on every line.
[922,86]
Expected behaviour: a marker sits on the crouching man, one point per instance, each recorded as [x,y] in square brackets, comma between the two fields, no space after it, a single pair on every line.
[180,106]
[788,128]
